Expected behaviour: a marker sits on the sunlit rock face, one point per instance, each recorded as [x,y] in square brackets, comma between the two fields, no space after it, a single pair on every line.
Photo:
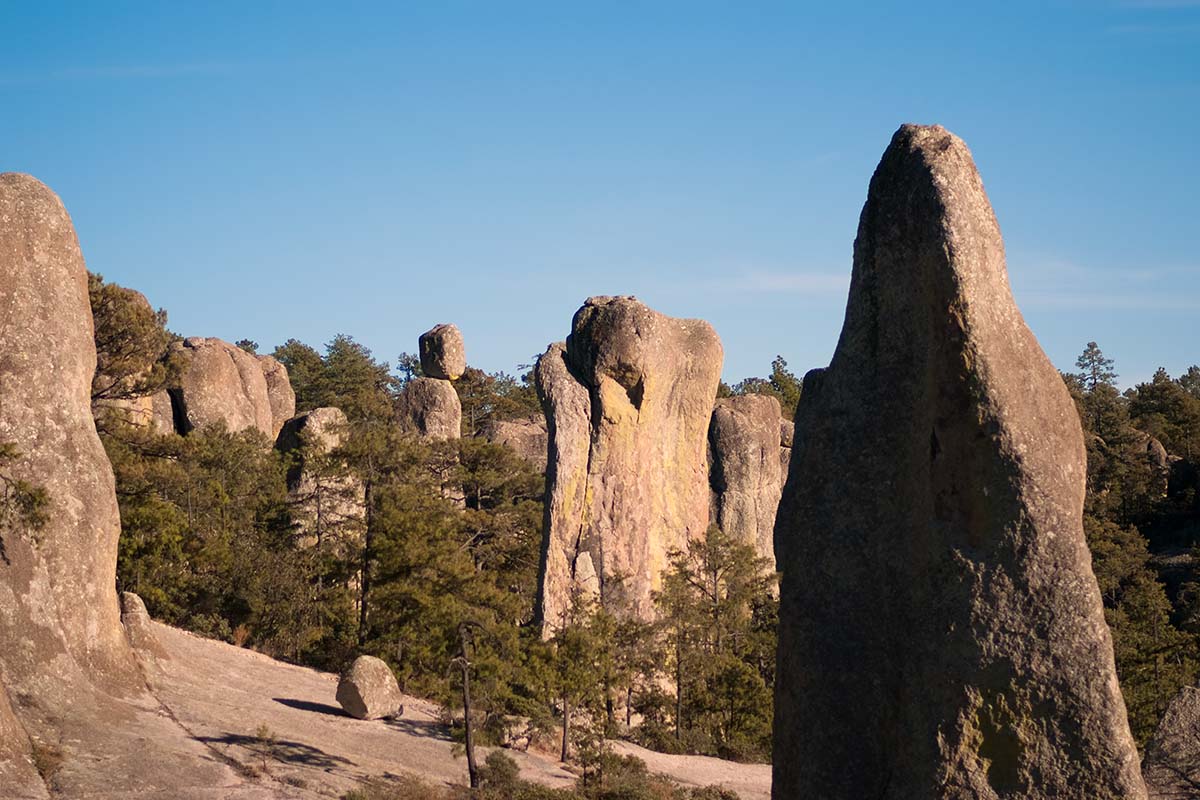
[628,400]
[70,688]
[941,631]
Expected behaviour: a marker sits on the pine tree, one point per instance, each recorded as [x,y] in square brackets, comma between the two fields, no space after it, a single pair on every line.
[1095,369]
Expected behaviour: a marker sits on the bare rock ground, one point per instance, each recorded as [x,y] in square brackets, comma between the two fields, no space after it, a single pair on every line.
[279,730]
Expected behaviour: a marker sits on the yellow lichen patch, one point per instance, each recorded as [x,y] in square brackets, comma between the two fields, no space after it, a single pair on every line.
[997,730]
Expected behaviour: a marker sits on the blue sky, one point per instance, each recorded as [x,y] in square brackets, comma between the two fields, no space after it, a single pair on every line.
[275,170]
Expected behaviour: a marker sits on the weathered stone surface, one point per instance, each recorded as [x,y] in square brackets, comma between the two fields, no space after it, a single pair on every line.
[326,500]
[368,689]
[628,401]
[222,383]
[322,429]
[443,354]
[744,442]
[67,673]
[527,438]
[567,406]
[429,407]
[941,631]
[1172,765]
[162,413]
[18,776]
[280,395]
[787,434]
[136,620]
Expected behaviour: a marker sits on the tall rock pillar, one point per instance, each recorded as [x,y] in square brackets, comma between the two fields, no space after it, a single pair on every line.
[941,631]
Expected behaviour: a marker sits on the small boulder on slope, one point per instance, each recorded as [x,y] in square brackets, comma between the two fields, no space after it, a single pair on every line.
[368,690]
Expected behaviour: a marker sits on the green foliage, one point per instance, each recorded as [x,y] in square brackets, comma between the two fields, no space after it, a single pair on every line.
[22,504]
[783,385]
[249,345]
[1094,369]
[718,619]
[1168,411]
[488,398]
[1154,659]
[133,357]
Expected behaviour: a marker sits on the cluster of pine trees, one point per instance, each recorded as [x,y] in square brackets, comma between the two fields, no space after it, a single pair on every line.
[442,585]
[1142,519]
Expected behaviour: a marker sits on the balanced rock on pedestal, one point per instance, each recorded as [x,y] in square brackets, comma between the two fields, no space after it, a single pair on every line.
[628,400]
[941,632]
[443,354]
[368,690]
[430,408]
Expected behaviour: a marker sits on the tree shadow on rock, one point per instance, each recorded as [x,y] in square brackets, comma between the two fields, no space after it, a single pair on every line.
[284,750]
[428,729]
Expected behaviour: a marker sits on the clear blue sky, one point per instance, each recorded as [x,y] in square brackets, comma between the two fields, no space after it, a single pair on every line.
[276,170]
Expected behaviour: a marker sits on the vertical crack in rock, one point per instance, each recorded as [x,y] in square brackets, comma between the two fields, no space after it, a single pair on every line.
[941,631]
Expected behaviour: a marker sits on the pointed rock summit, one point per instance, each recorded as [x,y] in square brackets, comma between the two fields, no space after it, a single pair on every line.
[941,631]
[628,400]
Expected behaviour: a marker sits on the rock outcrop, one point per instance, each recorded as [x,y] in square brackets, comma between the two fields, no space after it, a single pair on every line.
[221,383]
[430,408]
[368,690]
[443,355]
[1172,765]
[326,500]
[280,396]
[136,620]
[787,434]
[744,440]
[526,437]
[68,677]
[628,400]
[941,630]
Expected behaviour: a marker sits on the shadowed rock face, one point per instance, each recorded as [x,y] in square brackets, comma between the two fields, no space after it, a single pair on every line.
[430,408]
[628,401]
[745,443]
[222,383]
[941,631]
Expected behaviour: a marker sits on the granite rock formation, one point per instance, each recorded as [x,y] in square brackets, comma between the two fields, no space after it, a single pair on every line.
[1172,764]
[430,408]
[136,620]
[744,443]
[941,630]
[787,434]
[527,437]
[280,396]
[443,354]
[69,681]
[325,498]
[628,400]
[221,383]
[368,690]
